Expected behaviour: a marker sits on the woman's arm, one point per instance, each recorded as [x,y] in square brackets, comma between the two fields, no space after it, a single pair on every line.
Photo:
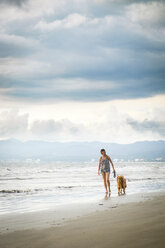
[111,162]
[99,166]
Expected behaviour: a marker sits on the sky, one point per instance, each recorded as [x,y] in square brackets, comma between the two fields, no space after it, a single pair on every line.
[80,70]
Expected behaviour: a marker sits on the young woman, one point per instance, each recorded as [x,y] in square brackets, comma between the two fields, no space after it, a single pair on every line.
[104,166]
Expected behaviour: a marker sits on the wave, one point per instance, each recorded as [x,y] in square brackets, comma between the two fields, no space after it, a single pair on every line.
[4,191]
[16,178]
[65,187]
[17,191]
[144,179]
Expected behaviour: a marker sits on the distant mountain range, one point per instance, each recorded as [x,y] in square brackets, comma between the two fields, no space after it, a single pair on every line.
[80,151]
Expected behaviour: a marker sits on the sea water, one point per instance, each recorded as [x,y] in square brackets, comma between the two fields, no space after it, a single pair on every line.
[29,186]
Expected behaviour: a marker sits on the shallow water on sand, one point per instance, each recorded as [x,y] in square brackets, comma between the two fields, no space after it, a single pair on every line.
[26,187]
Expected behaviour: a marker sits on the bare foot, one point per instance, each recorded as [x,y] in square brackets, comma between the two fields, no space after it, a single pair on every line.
[106,195]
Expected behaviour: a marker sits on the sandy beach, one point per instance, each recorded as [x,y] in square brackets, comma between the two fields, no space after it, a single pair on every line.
[136,224]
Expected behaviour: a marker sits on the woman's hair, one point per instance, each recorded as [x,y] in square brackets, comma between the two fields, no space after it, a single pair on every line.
[102,150]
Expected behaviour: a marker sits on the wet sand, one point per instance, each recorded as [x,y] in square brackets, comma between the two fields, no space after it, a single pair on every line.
[138,224]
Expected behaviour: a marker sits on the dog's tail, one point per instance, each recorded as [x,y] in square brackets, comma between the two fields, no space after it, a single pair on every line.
[125,183]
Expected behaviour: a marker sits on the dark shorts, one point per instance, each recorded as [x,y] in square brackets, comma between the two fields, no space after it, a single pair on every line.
[105,170]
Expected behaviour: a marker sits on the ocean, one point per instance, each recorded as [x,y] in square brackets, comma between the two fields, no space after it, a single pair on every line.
[29,186]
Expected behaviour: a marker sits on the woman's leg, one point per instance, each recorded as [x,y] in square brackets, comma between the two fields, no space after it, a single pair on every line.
[104,179]
[108,181]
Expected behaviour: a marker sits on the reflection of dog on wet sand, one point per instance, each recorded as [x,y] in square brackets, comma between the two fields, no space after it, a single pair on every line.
[121,185]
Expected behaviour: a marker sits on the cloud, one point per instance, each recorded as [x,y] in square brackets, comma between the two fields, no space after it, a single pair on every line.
[82,51]
[121,121]
[96,64]
[25,11]
[13,2]
[148,126]
[13,70]
[73,20]
[17,46]
[12,124]
[147,14]
[51,129]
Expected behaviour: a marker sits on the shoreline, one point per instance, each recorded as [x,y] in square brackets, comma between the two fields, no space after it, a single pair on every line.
[134,224]
[60,215]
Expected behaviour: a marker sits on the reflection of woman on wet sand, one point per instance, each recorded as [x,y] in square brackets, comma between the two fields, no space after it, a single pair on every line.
[104,166]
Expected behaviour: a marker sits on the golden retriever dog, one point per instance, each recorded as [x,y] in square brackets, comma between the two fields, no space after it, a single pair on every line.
[121,185]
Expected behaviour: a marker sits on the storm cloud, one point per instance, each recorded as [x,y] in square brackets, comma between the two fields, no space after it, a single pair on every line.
[100,44]
[13,2]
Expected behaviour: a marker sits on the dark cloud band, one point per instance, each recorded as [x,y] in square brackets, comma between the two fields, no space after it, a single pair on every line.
[13,2]
[44,58]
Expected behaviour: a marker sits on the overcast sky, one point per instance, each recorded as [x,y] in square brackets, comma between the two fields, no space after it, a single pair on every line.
[80,70]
